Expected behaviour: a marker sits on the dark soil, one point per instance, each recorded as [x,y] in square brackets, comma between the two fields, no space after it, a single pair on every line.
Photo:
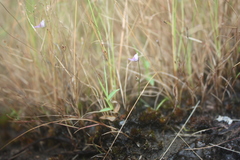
[146,135]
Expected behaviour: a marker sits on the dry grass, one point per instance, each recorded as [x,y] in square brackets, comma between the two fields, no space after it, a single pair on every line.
[73,64]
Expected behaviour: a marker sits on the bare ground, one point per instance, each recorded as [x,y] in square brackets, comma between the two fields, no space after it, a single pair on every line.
[146,135]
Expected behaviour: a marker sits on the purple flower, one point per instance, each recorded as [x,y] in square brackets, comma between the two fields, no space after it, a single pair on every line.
[41,25]
[135,58]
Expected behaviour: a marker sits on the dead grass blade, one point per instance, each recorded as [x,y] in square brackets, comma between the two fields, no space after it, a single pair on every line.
[217,145]
[195,107]
[120,130]
[59,122]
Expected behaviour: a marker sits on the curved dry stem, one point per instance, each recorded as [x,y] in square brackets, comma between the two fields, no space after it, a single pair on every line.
[58,122]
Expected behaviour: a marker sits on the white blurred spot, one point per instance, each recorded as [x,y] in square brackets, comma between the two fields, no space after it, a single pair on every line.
[225,119]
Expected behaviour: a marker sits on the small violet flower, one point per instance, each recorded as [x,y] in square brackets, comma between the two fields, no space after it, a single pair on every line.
[41,25]
[135,58]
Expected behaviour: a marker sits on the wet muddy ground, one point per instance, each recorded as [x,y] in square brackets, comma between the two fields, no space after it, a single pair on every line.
[146,135]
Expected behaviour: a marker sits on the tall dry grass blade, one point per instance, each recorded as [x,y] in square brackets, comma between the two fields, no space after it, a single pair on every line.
[120,130]
[170,145]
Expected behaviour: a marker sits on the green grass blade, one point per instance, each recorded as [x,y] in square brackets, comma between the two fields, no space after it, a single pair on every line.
[112,94]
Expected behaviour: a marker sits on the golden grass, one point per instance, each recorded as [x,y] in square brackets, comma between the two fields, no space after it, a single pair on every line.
[191,46]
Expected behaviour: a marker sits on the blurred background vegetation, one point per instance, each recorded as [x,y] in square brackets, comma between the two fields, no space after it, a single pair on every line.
[78,63]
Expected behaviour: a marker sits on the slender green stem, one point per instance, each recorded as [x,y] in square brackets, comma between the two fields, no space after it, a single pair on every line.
[139,80]
[174,35]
